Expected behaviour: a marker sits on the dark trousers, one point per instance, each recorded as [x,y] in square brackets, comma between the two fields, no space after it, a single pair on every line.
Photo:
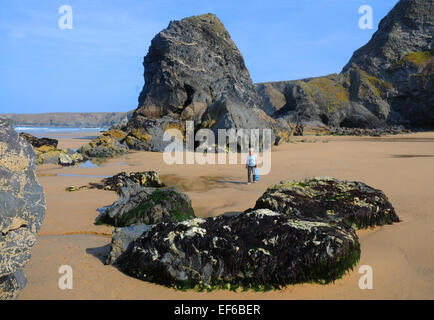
[250,172]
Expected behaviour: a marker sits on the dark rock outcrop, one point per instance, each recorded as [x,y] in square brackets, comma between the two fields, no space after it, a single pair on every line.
[137,204]
[39,142]
[330,200]
[22,209]
[261,249]
[389,81]
[144,179]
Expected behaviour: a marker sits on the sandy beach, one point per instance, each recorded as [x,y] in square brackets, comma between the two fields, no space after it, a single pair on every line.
[401,255]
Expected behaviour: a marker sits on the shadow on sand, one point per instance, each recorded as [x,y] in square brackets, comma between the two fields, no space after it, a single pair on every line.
[100,253]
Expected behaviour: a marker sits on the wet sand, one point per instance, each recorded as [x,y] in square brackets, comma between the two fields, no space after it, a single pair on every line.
[401,255]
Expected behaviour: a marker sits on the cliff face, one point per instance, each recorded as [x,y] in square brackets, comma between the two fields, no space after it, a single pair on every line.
[398,64]
[409,27]
[388,81]
[22,209]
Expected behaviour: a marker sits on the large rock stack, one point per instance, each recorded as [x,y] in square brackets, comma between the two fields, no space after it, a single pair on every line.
[22,209]
[193,71]
[191,65]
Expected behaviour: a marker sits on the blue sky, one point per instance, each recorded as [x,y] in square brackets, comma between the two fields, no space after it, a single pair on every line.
[97,66]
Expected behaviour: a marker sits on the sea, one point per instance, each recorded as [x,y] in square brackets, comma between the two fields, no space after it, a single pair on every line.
[57,129]
[57,132]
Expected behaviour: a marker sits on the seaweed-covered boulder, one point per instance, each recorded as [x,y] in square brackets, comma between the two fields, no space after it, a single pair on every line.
[327,199]
[261,249]
[137,204]
[144,179]
[22,209]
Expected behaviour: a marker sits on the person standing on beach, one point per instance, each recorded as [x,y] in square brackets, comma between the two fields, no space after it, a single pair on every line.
[251,165]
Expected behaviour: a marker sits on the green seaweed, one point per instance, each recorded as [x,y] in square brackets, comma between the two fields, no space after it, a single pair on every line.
[180,211]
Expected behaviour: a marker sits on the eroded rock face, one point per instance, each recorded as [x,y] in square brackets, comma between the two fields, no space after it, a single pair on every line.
[261,249]
[137,204]
[22,209]
[389,81]
[330,200]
